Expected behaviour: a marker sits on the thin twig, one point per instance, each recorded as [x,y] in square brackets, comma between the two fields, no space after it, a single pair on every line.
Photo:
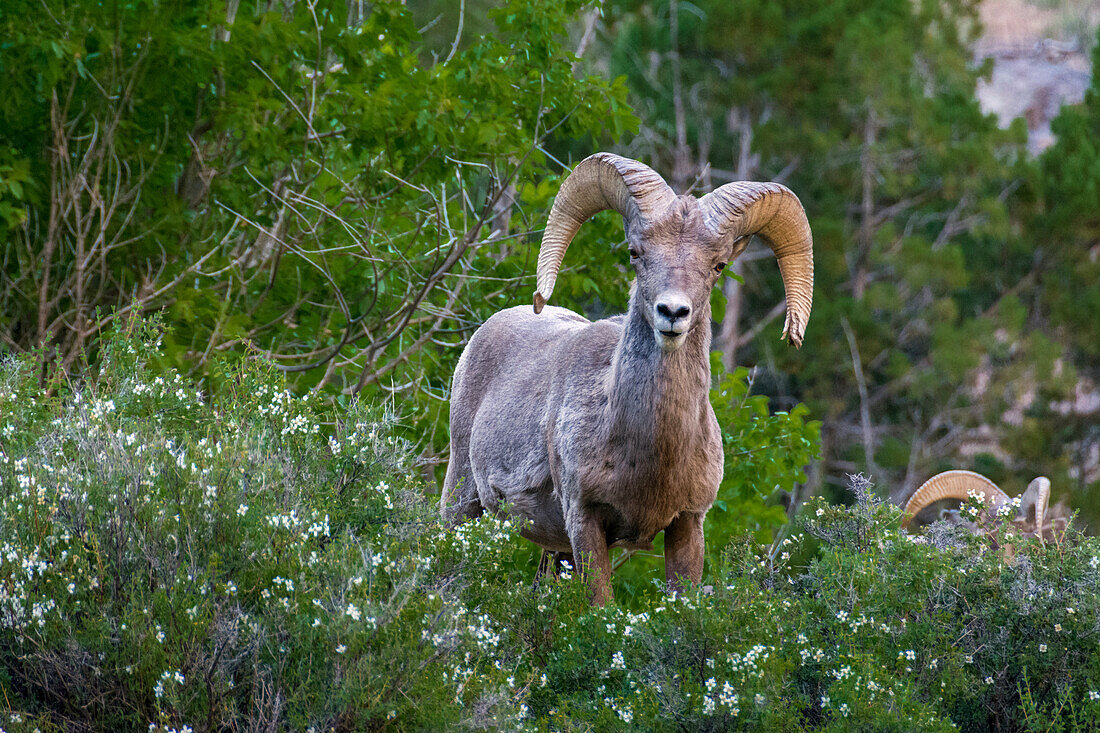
[458,33]
[864,410]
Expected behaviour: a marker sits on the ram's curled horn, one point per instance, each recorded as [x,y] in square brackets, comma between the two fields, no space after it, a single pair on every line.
[738,210]
[1035,499]
[957,484]
[599,182]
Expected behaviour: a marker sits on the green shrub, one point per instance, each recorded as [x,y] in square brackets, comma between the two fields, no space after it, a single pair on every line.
[178,560]
[174,559]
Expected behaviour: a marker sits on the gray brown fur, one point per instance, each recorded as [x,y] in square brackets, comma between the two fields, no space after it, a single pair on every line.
[599,434]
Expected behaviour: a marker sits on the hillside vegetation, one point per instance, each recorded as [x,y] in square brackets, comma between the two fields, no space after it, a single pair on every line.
[244,245]
[177,560]
[350,191]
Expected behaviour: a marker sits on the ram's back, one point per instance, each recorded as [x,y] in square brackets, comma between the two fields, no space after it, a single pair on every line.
[507,358]
[499,401]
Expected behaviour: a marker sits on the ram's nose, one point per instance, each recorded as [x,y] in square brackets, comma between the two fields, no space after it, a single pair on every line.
[672,313]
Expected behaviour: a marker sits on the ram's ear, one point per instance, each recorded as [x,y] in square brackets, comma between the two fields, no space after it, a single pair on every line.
[738,248]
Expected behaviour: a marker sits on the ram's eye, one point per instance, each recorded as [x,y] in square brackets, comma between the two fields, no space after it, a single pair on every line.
[634,253]
[720,266]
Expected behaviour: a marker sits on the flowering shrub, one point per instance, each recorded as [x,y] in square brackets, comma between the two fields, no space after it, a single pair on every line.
[172,560]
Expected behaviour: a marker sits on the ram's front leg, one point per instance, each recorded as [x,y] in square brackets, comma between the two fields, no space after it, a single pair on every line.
[684,550]
[590,550]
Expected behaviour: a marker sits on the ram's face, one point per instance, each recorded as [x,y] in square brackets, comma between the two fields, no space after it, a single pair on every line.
[677,260]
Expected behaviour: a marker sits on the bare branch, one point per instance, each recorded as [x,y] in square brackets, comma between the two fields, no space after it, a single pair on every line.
[864,409]
[458,32]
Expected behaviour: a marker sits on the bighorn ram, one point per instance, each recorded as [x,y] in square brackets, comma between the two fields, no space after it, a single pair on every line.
[1032,517]
[601,434]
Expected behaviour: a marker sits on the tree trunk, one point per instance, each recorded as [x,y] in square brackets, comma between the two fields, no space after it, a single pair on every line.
[681,163]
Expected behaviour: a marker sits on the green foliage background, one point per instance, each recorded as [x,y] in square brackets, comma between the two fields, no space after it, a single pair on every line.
[946,258]
[339,194]
[345,192]
[349,191]
[292,180]
[322,200]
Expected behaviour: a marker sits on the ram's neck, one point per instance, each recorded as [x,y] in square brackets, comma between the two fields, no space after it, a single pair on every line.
[658,395]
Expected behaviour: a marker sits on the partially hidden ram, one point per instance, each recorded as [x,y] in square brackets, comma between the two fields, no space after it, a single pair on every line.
[601,434]
[1030,514]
